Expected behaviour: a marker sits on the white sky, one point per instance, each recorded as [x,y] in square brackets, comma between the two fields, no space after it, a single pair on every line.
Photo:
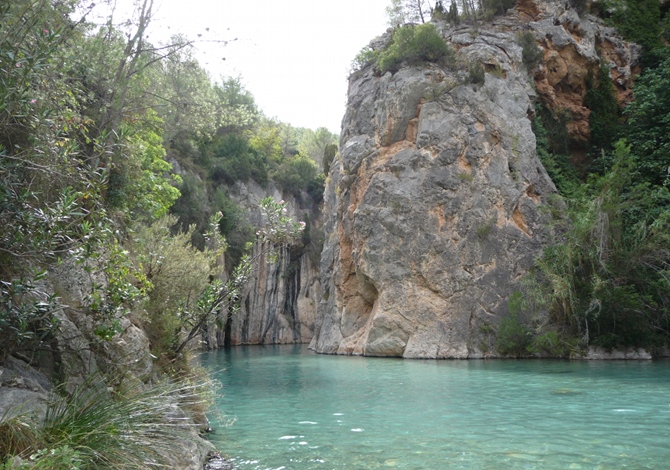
[292,55]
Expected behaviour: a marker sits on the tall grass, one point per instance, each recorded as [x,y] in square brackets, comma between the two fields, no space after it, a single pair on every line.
[137,427]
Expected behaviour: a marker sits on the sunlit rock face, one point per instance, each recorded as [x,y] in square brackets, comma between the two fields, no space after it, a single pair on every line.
[438,204]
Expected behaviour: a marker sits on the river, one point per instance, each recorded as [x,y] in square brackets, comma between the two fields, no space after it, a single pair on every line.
[296,410]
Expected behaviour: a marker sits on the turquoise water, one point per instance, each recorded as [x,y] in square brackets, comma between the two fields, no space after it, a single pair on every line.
[294,409]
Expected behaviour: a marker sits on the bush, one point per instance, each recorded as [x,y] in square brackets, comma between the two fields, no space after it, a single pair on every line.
[513,336]
[96,428]
[295,174]
[177,272]
[551,344]
[531,55]
[476,73]
[367,56]
[236,160]
[414,44]
[604,118]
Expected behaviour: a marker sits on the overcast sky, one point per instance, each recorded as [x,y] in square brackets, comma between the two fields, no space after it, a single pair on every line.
[292,55]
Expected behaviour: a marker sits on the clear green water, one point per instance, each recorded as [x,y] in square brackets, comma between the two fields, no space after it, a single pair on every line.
[298,410]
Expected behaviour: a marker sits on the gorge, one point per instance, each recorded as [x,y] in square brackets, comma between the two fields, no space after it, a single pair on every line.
[499,190]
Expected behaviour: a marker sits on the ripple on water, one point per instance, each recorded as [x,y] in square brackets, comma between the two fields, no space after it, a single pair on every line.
[386,413]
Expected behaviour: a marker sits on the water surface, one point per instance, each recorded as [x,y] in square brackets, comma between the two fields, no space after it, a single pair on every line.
[294,409]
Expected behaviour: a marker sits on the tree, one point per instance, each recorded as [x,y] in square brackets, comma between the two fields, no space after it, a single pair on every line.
[401,12]
[649,125]
[314,143]
[223,297]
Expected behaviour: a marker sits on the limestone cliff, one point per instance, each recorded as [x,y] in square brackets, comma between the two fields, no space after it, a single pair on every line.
[278,305]
[438,203]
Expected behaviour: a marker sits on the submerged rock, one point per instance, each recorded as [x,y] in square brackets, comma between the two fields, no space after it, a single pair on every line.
[216,462]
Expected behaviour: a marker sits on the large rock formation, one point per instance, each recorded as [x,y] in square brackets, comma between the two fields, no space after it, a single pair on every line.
[278,305]
[438,203]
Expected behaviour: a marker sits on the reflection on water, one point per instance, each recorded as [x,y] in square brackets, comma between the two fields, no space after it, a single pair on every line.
[298,410]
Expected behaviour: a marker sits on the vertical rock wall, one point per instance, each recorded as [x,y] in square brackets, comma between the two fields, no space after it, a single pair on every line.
[279,303]
[438,204]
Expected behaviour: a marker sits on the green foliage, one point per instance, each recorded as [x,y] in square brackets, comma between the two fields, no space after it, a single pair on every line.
[555,124]
[140,184]
[551,344]
[639,21]
[452,15]
[235,160]
[558,166]
[25,314]
[18,434]
[476,74]
[414,44]
[531,55]
[649,125]
[439,12]
[314,144]
[329,154]
[607,279]
[219,297]
[484,231]
[296,174]
[93,427]
[604,118]
[366,57]
[177,271]
[513,336]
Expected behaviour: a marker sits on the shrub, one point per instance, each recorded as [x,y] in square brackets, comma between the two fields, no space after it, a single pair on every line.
[134,428]
[367,56]
[414,44]
[295,174]
[178,272]
[513,336]
[329,154]
[551,344]
[476,73]
[531,55]
[604,118]
[484,231]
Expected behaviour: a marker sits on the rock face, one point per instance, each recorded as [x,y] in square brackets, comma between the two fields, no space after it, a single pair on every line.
[279,302]
[574,47]
[438,204]
[81,353]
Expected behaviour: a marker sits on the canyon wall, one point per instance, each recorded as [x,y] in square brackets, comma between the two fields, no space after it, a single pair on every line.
[438,205]
[278,305]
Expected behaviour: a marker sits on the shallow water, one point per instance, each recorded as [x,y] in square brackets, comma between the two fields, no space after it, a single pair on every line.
[294,409]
